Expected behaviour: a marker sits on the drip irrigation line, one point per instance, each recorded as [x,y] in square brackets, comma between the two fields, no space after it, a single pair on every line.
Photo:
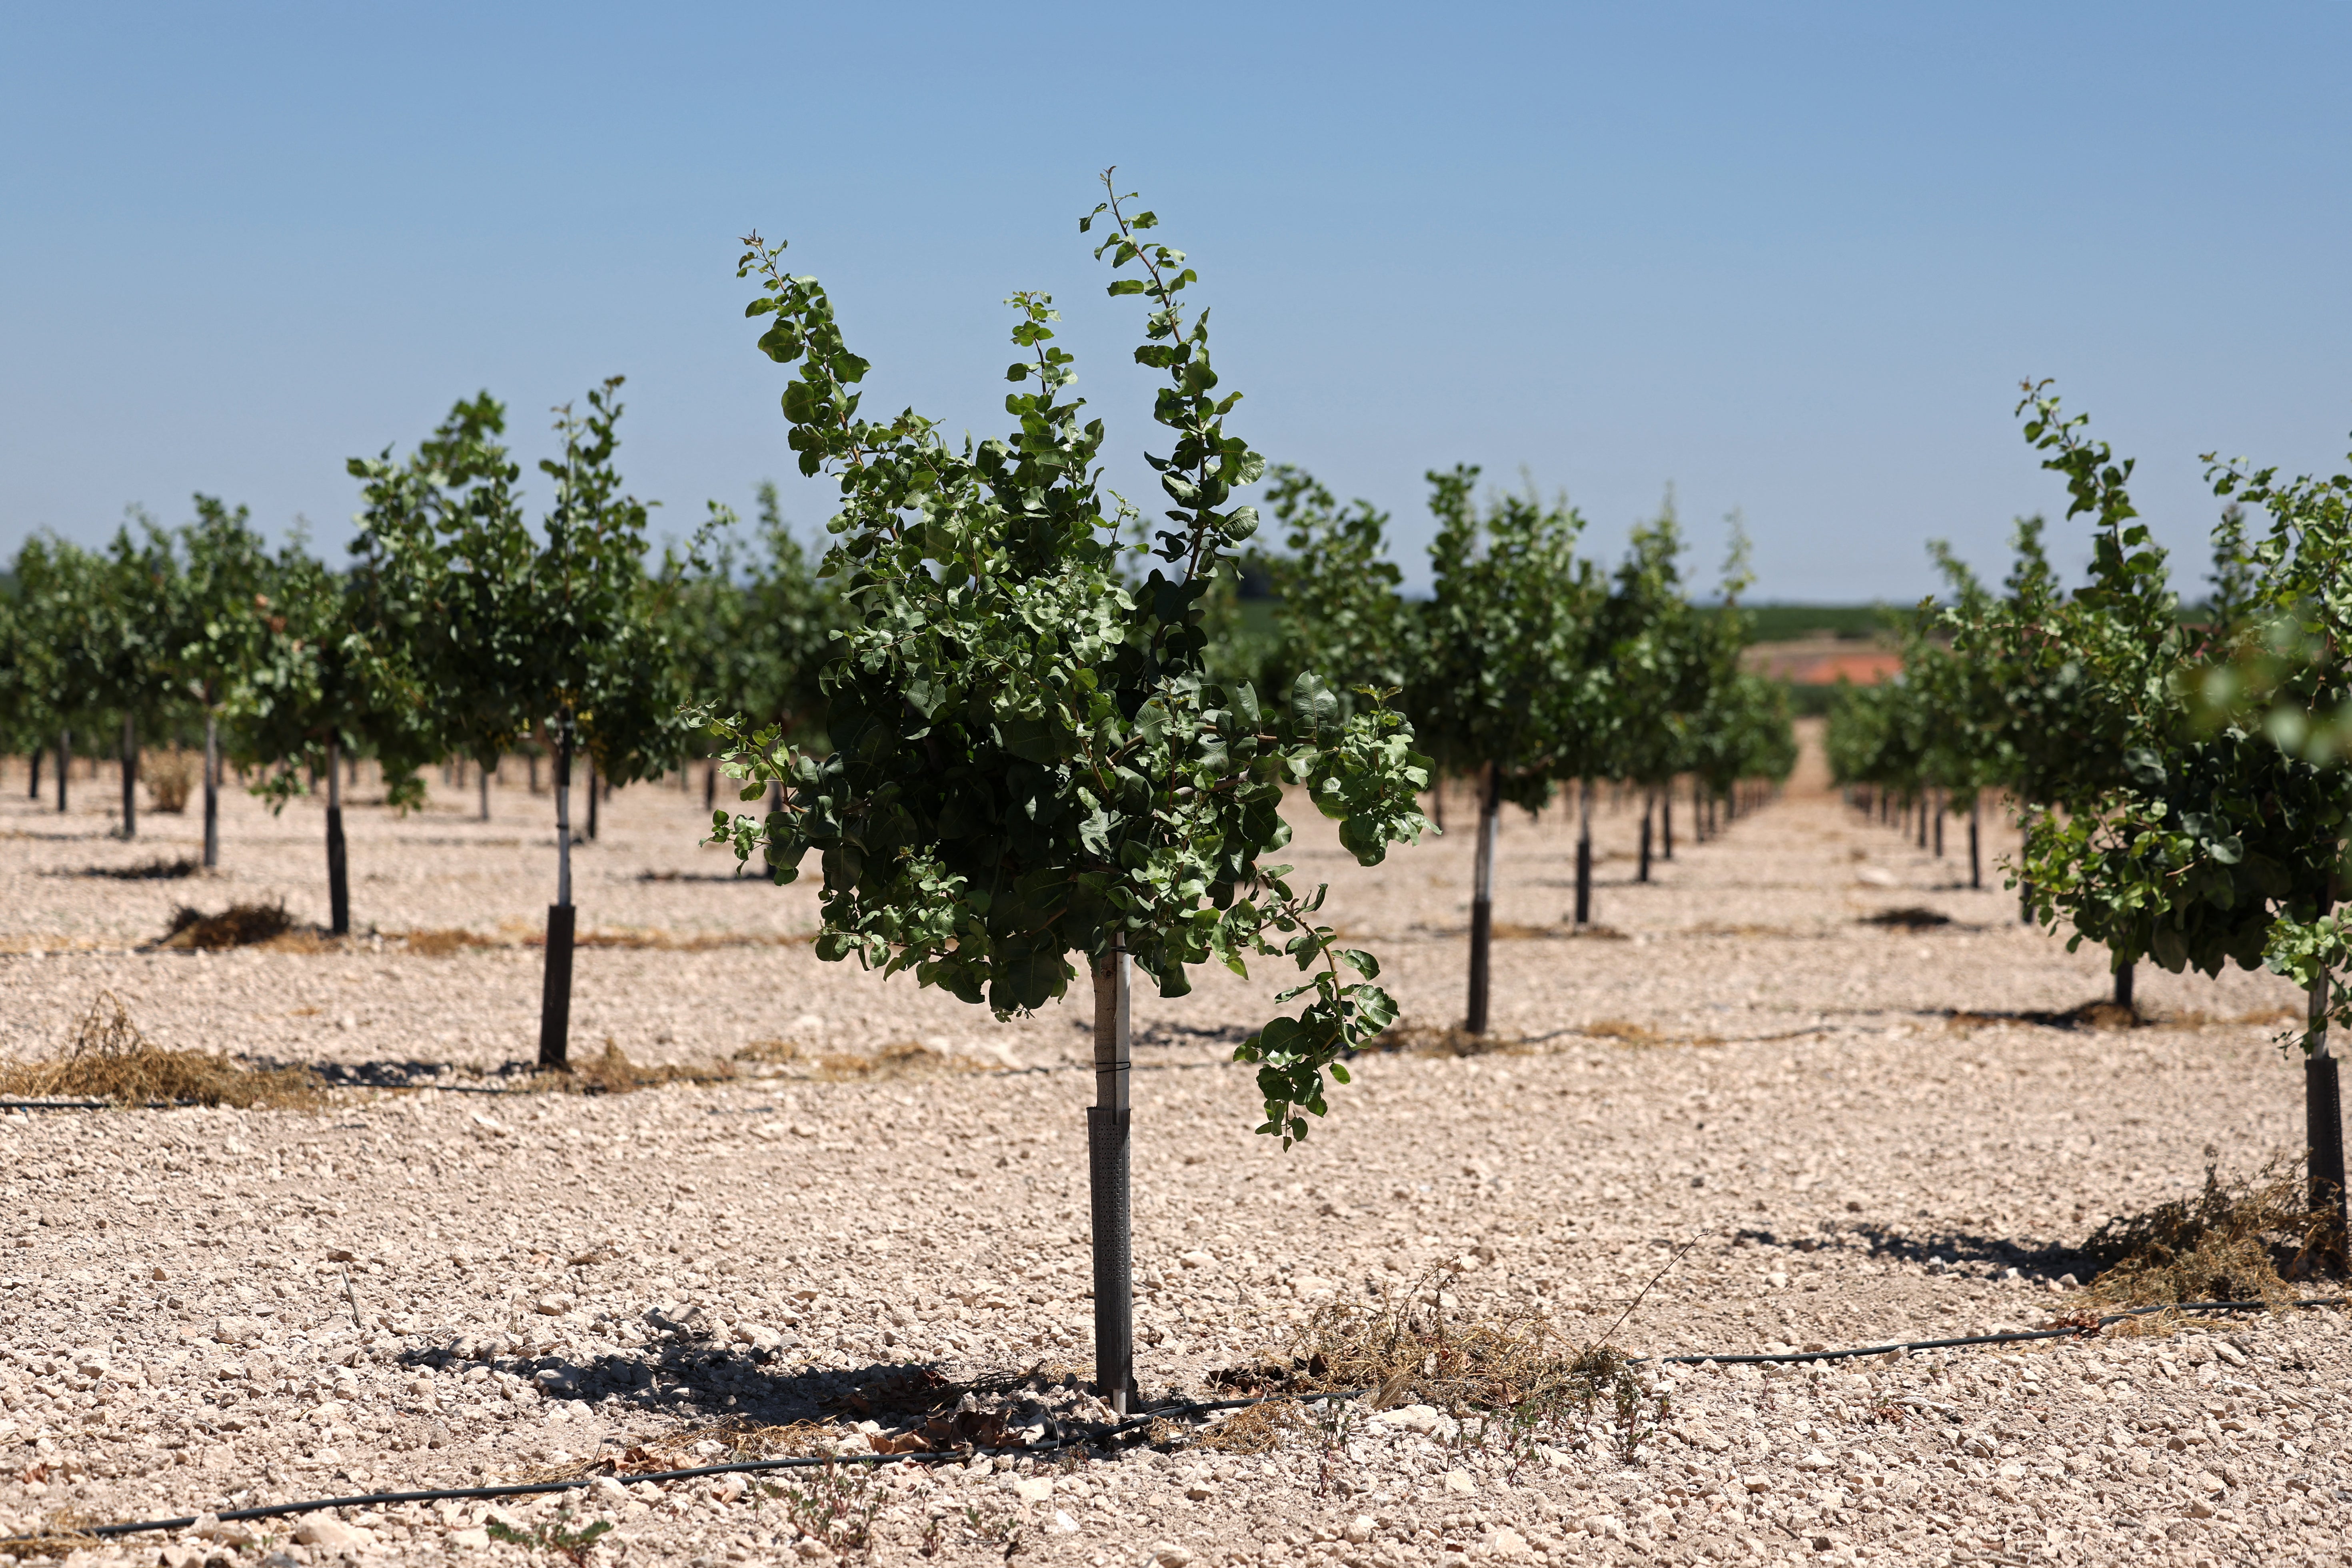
[740,1466]
[2015,1336]
[1118,1429]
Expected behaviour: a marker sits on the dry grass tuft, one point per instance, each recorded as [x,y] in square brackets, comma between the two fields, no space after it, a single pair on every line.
[65,1531]
[171,778]
[108,1059]
[1442,1040]
[445,943]
[907,1058]
[449,942]
[239,925]
[1513,1370]
[2237,1241]
[615,1073]
[1254,1430]
[1406,1350]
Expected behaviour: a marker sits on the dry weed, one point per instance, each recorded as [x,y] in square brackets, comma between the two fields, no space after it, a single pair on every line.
[171,778]
[449,942]
[1446,1040]
[108,1059]
[239,925]
[2226,1243]
[615,1073]
[64,1531]
[907,1058]
[1254,1430]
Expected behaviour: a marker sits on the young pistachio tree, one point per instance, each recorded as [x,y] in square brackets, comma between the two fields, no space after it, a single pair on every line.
[218,627]
[1027,760]
[330,675]
[2285,617]
[2209,844]
[1504,687]
[515,634]
[127,627]
[48,674]
[1340,610]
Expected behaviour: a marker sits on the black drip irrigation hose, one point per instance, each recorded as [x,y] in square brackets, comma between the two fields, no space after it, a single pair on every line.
[1118,1429]
[2014,1337]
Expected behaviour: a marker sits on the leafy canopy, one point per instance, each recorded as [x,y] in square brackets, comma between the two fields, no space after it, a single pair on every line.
[1029,757]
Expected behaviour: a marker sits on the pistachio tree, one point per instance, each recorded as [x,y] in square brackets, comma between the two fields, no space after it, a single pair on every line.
[1504,687]
[518,632]
[1027,762]
[218,627]
[2192,844]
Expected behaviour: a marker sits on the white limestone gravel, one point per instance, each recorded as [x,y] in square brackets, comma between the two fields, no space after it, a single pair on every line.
[1858,1134]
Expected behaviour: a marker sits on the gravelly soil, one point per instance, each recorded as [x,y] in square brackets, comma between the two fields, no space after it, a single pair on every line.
[1858,1133]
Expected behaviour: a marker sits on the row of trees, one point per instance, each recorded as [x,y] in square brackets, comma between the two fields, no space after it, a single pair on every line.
[2178,773]
[459,630]
[1529,668]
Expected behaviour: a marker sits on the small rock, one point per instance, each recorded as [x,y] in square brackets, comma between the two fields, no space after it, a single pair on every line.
[1168,1555]
[1815,1459]
[810,1547]
[1777,1279]
[608,1491]
[328,1412]
[2205,1481]
[1200,1491]
[2200,1508]
[1064,1524]
[1757,1483]
[554,1306]
[1607,1524]
[1977,1445]
[237,1330]
[1459,1481]
[1197,1259]
[332,1534]
[1361,1528]
[2228,1352]
[1506,1542]
[475,1536]
[341,1254]
[1699,1434]
[1033,1489]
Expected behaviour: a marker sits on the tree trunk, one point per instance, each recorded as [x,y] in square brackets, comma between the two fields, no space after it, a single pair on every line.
[1648,797]
[1698,811]
[1976,863]
[339,881]
[1482,898]
[2323,1114]
[1584,854]
[482,788]
[533,762]
[2024,888]
[1107,1128]
[1939,828]
[33,762]
[592,800]
[65,765]
[710,786]
[211,789]
[1437,802]
[774,805]
[555,996]
[129,777]
[1666,821]
[2123,986]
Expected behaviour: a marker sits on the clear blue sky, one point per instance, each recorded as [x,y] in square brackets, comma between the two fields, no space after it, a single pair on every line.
[1791,259]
